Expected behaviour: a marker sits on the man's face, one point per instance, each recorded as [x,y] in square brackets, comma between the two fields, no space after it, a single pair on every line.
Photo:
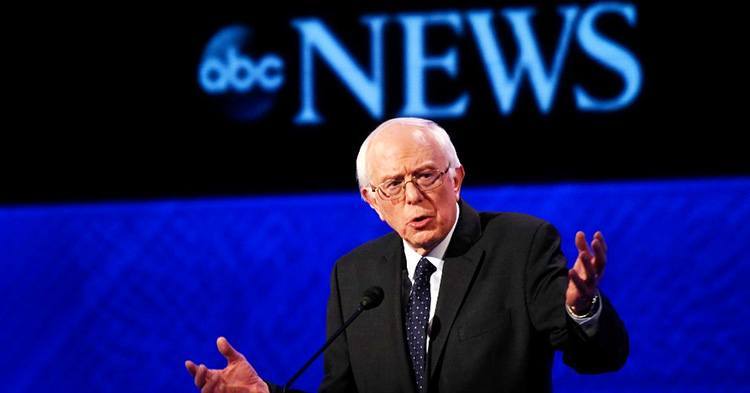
[421,218]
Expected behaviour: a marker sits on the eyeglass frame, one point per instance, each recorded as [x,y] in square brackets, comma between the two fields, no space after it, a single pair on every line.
[377,189]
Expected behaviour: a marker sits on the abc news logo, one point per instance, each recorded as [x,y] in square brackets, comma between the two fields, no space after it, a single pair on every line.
[240,73]
[253,83]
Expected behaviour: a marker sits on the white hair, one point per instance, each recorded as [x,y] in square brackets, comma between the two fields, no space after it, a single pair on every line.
[442,138]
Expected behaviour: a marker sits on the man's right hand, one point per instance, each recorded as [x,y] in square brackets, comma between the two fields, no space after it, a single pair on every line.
[237,377]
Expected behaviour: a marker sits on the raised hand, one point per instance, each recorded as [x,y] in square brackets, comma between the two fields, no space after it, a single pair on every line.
[237,377]
[584,277]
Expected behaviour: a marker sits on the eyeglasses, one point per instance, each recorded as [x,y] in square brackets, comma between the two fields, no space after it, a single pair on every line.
[424,180]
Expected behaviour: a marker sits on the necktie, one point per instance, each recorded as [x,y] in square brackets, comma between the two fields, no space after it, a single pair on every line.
[417,315]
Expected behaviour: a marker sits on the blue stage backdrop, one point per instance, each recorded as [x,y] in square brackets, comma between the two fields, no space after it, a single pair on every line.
[113,297]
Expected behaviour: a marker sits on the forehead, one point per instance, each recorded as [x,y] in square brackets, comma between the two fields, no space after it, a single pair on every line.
[403,148]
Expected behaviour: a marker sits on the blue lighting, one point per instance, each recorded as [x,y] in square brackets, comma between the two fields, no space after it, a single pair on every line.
[113,297]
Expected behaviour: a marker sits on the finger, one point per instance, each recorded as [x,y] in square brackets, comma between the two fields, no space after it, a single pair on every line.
[589,274]
[578,266]
[200,376]
[599,235]
[191,367]
[600,257]
[211,385]
[228,351]
[581,242]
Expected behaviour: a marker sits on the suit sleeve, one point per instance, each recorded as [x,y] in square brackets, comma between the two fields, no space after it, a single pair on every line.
[545,283]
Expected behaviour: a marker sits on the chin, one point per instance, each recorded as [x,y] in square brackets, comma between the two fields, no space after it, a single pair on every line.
[423,242]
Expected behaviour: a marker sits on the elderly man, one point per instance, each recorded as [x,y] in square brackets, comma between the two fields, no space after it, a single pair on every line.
[474,302]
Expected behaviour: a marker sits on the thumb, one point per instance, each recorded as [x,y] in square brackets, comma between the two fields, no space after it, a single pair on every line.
[228,351]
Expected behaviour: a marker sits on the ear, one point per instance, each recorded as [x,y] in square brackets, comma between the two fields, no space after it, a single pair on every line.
[371,200]
[458,180]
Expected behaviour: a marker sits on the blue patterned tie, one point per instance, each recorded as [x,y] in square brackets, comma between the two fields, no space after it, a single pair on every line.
[417,316]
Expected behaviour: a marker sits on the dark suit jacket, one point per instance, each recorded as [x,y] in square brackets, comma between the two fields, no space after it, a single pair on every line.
[499,316]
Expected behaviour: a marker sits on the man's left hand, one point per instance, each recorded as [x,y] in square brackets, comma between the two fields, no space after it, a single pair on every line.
[583,278]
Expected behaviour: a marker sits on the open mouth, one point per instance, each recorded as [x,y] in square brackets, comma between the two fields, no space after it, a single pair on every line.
[420,221]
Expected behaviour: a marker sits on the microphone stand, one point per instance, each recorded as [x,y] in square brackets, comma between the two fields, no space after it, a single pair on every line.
[335,335]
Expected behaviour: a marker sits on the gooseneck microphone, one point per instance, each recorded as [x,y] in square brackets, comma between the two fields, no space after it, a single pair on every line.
[371,298]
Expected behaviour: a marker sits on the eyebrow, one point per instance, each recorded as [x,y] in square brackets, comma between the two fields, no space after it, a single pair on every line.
[419,168]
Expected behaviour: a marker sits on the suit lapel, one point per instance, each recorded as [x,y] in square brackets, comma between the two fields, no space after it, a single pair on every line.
[461,263]
[393,263]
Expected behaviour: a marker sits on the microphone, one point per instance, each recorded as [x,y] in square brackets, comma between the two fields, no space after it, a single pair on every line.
[371,298]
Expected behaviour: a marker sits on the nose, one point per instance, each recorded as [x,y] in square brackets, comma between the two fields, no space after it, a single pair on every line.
[412,193]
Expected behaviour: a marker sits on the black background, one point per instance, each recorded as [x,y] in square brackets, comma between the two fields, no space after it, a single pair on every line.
[103,103]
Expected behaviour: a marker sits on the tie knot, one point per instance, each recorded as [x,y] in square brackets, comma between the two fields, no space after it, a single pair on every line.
[424,270]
